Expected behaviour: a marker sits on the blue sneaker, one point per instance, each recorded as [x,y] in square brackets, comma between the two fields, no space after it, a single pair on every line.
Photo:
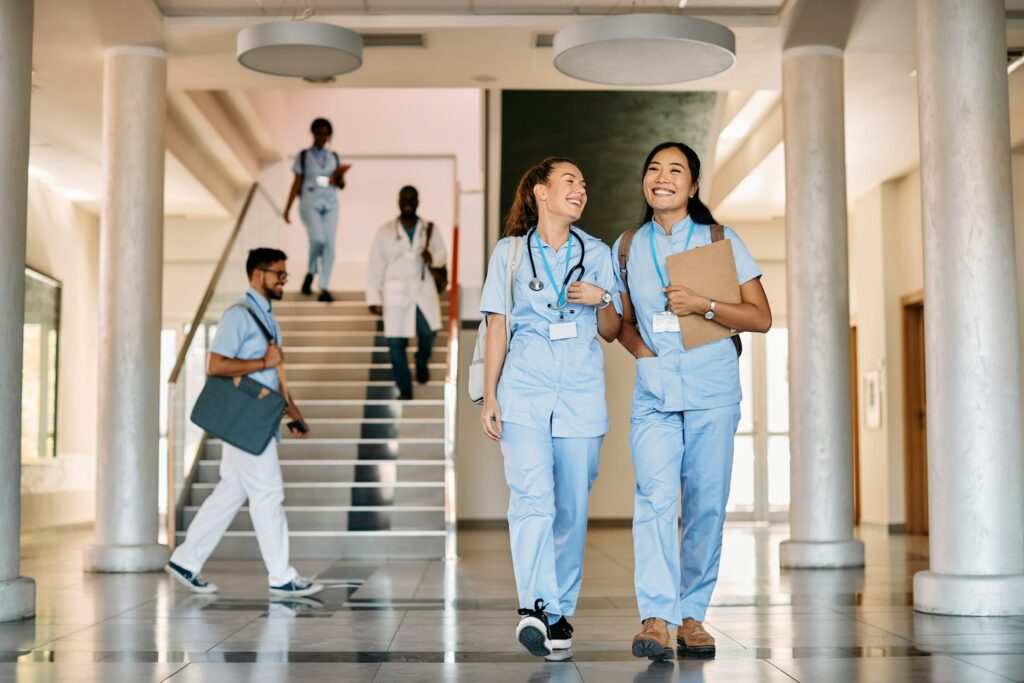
[296,588]
[193,582]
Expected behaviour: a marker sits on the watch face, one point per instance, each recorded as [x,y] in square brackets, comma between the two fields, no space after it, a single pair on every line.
[710,315]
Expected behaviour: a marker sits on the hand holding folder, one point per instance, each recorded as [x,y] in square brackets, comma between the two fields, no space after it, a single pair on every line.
[711,272]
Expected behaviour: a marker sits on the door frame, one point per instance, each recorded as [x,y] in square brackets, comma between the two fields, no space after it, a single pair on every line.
[915,445]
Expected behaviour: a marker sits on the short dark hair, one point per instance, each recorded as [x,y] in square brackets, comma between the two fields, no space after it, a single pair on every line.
[261,257]
[410,188]
[321,122]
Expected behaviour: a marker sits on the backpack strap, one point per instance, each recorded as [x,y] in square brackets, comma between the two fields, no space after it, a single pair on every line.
[515,257]
[625,242]
[717,233]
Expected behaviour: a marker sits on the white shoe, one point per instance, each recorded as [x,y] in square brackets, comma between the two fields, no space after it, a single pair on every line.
[532,631]
[193,582]
[296,588]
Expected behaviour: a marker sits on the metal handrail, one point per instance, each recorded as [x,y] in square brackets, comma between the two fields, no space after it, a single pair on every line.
[451,386]
[172,381]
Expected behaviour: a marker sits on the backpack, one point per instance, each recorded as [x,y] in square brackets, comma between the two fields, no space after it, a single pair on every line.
[717,235]
[476,367]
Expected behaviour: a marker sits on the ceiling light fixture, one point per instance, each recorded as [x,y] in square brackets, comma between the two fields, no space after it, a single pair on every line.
[644,49]
[307,49]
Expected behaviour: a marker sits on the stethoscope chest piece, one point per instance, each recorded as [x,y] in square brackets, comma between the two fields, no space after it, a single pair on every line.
[536,285]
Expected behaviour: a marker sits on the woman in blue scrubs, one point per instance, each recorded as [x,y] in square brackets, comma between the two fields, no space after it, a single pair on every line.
[544,398]
[686,406]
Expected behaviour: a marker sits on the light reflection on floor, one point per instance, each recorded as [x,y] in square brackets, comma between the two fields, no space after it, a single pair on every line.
[437,621]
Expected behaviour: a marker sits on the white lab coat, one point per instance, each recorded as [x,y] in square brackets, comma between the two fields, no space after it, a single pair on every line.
[399,280]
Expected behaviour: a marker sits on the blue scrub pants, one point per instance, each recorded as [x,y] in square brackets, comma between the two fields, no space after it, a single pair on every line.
[549,480]
[321,227]
[424,348]
[691,452]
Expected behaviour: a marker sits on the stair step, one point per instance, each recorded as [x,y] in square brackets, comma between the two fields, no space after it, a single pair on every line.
[375,428]
[378,449]
[345,518]
[343,338]
[320,308]
[373,408]
[346,493]
[351,354]
[336,470]
[409,545]
[303,392]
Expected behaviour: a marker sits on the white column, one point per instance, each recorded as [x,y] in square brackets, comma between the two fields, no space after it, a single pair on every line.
[821,471]
[975,475]
[17,593]
[131,265]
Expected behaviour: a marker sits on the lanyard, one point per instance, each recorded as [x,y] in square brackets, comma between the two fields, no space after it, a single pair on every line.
[654,252]
[551,275]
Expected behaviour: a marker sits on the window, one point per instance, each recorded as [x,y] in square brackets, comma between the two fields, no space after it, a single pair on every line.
[41,339]
[760,470]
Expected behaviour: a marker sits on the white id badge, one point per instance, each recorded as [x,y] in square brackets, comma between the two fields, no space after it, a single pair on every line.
[323,180]
[562,331]
[666,321]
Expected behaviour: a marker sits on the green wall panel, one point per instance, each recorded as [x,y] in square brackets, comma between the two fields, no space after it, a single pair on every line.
[608,133]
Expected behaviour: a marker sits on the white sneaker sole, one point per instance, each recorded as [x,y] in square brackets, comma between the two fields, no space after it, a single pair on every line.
[561,644]
[210,588]
[312,590]
[532,634]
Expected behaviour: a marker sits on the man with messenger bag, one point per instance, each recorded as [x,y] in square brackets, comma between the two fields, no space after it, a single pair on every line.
[242,404]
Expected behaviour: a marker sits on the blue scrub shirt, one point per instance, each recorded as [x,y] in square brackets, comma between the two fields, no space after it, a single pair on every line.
[556,387]
[679,379]
[319,163]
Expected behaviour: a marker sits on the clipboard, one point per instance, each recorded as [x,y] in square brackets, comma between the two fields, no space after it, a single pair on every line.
[711,272]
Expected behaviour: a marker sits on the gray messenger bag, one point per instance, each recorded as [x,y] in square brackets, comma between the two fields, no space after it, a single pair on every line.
[239,410]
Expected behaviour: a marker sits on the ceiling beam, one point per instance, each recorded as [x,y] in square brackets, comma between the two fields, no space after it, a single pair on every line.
[757,145]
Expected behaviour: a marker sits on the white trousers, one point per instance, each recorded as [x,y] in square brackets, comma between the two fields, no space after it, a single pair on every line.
[242,476]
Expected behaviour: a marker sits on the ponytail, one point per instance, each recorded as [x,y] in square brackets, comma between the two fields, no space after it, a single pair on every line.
[523,214]
[698,211]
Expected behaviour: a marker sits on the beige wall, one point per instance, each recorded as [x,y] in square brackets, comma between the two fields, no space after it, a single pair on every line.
[63,242]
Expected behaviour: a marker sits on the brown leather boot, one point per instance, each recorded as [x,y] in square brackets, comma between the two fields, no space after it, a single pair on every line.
[693,640]
[653,641]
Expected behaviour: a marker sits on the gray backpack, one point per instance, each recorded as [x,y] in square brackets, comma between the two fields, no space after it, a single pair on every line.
[476,367]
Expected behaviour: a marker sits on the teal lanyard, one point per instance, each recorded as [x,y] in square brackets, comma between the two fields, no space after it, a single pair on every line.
[551,276]
[656,258]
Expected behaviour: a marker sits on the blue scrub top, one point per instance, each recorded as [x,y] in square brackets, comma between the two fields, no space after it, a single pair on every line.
[239,337]
[319,163]
[679,379]
[555,387]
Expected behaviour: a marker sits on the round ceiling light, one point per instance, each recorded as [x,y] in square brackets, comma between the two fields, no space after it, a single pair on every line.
[307,49]
[644,49]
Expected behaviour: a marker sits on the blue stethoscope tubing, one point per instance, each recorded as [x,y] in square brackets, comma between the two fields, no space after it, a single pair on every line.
[568,276]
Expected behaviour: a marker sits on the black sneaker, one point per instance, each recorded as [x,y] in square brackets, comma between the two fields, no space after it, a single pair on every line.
[561,634]
[193,582]
[325,296]
[533,632]
[307,285]
[296,588]
[405,394]
[422,374]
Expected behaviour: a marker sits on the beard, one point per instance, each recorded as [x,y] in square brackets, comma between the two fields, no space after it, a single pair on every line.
[274,295]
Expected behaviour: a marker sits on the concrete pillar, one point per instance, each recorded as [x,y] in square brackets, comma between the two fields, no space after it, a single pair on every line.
[17,593]
[131,266]
[975,472]
[821,483]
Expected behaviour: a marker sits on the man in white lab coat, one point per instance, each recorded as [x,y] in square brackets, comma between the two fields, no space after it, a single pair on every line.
[401,287]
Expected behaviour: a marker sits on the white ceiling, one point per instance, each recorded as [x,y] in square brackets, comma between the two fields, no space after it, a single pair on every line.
[881,114]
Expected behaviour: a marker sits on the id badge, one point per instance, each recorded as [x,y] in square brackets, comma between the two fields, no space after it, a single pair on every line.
[666,321]
[565,330]
[323,181]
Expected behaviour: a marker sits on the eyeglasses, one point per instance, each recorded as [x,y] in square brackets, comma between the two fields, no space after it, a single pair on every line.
[281,274]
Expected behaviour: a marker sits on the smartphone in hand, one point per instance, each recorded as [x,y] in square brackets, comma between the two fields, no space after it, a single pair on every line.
[298,426]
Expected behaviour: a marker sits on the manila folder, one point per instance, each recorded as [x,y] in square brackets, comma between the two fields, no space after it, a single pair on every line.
[711,272]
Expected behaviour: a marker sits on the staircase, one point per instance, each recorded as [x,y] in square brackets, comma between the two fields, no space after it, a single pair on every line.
[369,483]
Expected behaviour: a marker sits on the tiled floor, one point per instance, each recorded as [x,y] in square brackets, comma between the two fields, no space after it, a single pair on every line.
[427,621]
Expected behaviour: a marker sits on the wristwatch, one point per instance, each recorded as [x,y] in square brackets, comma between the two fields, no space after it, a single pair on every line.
[606,299]
[710,315]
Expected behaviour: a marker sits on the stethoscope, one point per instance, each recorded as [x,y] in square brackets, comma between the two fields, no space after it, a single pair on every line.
[536,284]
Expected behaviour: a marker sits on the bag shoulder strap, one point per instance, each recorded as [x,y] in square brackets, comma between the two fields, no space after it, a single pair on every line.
[270,340]
[717,233]
[515,257]
[625,242]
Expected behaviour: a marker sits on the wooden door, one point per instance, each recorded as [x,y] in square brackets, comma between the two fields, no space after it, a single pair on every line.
[915,416]
[855,424]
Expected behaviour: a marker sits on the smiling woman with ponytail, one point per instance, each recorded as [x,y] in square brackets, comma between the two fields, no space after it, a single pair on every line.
[686,403]
[544,391]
